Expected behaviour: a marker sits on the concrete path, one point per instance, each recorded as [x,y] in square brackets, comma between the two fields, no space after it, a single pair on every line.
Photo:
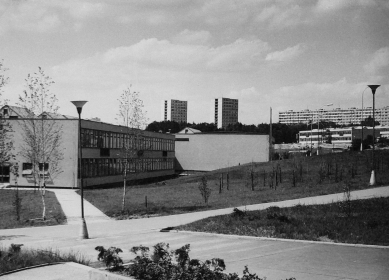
[64,271]
[275,259]
[71,206]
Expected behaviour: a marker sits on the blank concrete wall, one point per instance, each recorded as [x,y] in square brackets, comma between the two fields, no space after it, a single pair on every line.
[213,151]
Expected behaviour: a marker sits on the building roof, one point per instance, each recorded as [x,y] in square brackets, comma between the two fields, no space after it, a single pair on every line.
[189,130]
[17,111]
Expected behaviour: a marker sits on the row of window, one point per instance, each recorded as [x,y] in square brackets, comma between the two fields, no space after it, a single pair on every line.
[101,167]
[91,138]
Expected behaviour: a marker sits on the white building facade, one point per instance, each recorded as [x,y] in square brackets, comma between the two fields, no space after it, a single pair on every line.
[225,111]
[338,115]
[175,110]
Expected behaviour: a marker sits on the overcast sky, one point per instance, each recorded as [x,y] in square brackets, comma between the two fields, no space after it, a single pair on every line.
[287,54]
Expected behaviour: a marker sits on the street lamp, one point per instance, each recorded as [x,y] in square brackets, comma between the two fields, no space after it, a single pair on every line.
[372,178]
[83,230]
[362,121]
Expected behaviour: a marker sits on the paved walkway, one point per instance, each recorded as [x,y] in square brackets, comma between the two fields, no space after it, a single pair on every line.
[275,259]
[71,205]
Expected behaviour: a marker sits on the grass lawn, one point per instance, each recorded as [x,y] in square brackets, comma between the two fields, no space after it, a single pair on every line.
[365,222]
[31,209]
[16,257]
[248,184]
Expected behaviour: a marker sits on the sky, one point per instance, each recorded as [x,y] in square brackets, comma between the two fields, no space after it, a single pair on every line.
[286,54]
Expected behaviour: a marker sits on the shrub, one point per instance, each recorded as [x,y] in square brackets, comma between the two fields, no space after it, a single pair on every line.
[110,257]
[166,264]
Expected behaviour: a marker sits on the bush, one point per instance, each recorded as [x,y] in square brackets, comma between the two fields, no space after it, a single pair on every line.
[166,264]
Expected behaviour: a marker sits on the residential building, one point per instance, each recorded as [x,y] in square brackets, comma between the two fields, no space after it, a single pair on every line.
[339,116]
[102,152]
[175,110]
[224,112]
[344,135]
[196,151]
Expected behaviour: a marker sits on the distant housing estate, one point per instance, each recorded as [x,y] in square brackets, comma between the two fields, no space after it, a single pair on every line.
[175,110]
[339,116]
[224,112]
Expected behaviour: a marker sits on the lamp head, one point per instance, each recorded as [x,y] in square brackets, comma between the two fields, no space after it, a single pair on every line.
[79,105]
[373,88]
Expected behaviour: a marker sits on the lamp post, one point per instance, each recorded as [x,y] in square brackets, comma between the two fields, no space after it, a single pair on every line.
[83,230]
[372,178]
[362,121]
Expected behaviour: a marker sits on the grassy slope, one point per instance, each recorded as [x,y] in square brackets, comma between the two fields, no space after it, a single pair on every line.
[182,194]
[366,223]
[31,209]
[11,260]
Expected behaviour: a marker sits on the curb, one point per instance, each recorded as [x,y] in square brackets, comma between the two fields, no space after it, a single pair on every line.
[284,240]
[96,274]
[30,267]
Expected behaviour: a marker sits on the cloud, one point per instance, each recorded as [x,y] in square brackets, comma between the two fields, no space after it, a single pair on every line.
[45,16]
[188,37]
[237,56]
[330,6]
[281,16]
[379,61]
[287,54]
[28,16]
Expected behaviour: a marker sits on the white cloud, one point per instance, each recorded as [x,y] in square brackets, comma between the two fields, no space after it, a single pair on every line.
[189,37]
[45,16]
[237,56]
[379,61]
[287,54]
[281,16]
[27,16]
[330,6]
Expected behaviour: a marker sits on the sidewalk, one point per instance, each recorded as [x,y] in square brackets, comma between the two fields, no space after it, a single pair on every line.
[70,202]
[275,259]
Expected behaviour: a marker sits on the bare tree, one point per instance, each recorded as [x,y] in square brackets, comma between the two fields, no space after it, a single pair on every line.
[132,116]
[42,136]
[6,143]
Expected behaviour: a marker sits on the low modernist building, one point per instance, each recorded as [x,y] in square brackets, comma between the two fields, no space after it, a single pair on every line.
[102,152]
[196,151]
[337,135]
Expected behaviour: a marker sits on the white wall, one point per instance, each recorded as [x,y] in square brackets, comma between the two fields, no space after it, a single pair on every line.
[207,152]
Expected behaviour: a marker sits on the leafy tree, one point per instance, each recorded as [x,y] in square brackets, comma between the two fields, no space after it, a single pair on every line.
[133,118]
[369,122]
[42,137]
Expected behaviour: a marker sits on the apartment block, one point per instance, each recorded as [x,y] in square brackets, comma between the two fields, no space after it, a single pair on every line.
[338,115]
[224,111]
[175,110]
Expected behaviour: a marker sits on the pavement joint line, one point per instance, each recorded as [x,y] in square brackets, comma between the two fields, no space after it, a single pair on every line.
[285,240]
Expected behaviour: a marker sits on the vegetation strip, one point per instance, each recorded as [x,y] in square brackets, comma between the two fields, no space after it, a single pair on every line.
[254,183]
[281,239]
[354,222]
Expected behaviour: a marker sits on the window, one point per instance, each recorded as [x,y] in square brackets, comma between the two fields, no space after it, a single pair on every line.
[104,152]
[164,153]
[27,168]
[46,166]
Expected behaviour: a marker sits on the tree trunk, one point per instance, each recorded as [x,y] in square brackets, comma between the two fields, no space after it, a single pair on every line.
[124,189]
[43,192]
